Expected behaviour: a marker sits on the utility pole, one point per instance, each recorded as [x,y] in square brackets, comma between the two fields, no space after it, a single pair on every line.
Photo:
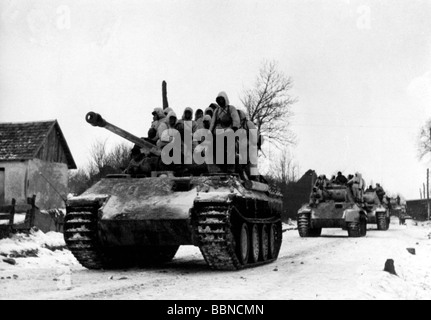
[420,191]
[428,194]
[428,189]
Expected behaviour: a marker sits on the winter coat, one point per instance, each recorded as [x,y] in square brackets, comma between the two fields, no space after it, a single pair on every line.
[159,125]
[209,112]
[225,118]
[189,125]
[341,180]
[169,133]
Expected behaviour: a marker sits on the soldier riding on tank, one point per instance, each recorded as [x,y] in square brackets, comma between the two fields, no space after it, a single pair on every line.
[140,219]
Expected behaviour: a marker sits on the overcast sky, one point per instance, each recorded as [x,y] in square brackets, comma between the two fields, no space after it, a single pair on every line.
[362,71]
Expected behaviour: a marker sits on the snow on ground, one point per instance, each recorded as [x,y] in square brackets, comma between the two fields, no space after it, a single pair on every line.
[413,280]
[36,250]
[290,226]
[330,267]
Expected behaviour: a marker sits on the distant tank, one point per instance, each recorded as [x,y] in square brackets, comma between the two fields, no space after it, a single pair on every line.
[333,207]
[378,213]
[143,216]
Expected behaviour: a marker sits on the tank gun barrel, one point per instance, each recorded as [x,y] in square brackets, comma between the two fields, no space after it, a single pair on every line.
[96,120]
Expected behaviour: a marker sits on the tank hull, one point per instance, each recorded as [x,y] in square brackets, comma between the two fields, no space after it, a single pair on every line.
[149,213]
[336,209]
[334,215]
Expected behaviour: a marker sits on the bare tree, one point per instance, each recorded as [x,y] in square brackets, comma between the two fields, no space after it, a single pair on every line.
[101,158]
[98,156]
[79,181]
[269,104]
[285,170]
[119,157]
[102,162]
[424,147]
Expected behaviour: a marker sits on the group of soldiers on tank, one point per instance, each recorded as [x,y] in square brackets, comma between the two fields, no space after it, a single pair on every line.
[220,115]
[217,116]
[355,183]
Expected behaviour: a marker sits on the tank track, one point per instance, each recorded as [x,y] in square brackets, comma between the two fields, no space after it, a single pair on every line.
[217,236]
[82,239]
[80,234]
[304,227]
[382,222]
[357,229]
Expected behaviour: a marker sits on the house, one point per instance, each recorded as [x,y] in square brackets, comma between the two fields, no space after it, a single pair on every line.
[418,209]
[34,160]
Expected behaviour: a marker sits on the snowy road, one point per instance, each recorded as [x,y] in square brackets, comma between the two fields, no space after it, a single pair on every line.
[330,267]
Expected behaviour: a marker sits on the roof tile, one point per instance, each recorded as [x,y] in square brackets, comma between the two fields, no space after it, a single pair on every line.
[20,141]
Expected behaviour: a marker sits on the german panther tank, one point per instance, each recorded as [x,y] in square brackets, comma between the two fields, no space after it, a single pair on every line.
[142,217]
[378,213]
[332,207]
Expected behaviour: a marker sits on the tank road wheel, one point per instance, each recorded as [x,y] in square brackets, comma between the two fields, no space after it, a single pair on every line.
[255,243]
[244,244]
[382,222]
[273,241]
[264,239]
[363,227]
[228,241]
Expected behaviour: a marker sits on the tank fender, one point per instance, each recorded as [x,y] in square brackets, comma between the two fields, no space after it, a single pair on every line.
[382,210]
[215,197]
[305,210]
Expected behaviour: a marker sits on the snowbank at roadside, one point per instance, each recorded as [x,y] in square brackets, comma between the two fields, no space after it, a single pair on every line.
[290,225]
[35,250]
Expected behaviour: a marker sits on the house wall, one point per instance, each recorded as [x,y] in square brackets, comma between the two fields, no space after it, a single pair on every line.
[15,181]
[48,194]
[25,179]
[52,150]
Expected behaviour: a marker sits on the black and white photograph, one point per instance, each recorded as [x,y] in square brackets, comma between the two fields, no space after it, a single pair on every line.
[215,156]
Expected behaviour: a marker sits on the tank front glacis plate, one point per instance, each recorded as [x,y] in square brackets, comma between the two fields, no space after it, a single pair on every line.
[214,189]
[143,199]
[156,199]
[330,211]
